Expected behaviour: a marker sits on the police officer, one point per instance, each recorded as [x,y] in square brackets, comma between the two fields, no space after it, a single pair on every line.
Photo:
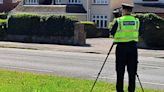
[125,32]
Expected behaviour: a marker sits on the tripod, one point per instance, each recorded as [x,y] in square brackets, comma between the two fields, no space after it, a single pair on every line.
[140,82]
[101,68]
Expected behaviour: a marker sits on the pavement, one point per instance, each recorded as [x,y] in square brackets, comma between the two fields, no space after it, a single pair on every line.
[97,45]
[94,45]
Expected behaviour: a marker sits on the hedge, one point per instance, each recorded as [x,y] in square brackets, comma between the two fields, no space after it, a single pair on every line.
[92,31]
[3,15]
[153,30]
[60,26]
[23,24]
[3,27]
[37,25]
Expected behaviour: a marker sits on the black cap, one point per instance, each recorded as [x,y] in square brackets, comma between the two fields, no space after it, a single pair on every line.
[127,6]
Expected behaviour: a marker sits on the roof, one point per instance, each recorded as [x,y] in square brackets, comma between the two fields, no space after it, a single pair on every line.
[148,8]
[50,8]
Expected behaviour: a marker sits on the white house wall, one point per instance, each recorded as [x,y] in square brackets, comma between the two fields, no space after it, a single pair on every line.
[141,1]
[100,10]
[64,1]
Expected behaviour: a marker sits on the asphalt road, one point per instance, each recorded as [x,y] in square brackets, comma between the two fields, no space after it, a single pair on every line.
[79,65]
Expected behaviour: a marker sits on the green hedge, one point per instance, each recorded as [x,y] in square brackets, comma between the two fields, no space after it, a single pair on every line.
[59,26]
[153,30]
[3,15]
[23,24]
[3,27]
[37,25]
[92,31]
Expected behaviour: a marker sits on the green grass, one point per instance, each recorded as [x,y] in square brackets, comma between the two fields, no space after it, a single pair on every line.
[11,81]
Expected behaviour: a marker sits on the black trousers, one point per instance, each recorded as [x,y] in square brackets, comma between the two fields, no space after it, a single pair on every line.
[126,55]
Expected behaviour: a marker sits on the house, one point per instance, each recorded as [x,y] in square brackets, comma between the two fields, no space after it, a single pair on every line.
[8,5]
[98,11]
[149,6]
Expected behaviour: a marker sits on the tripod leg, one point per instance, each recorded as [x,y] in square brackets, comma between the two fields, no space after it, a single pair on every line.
[101,68]
[140,82]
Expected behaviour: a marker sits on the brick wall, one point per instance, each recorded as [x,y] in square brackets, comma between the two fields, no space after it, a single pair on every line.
[7,6]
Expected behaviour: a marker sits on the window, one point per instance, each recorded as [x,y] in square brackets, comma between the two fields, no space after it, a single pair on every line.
[14,1]
[32,2]
[150,0]
[100,20]
[74,1]
[100,1]
[58,1]
[1,1]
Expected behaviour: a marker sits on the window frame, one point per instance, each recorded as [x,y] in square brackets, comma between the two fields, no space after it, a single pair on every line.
[100,20]
[1,1]
[150,0]
[58,1]
[14,1]
[74,2]
[101,2]
[27,2]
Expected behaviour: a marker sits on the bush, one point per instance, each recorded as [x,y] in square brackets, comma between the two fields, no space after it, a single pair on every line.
[37,25]
[59,26]
[92,31]
[23,24]
[3,15]
[3,27]
[153,30]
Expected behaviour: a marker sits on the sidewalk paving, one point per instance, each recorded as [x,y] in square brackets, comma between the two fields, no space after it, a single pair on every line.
[94,45]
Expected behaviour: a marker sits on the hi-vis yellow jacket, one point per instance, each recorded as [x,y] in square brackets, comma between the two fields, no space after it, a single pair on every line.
[127,30]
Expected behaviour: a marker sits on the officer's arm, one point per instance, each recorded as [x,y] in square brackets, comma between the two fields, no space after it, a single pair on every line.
[114,28]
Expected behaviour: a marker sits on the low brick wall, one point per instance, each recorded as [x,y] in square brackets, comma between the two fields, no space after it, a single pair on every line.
[79,34]
[37,39]
[79,38]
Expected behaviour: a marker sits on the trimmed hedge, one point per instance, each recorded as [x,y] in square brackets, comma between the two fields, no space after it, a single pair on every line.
[23,24]
[3,15]
[3,27]
[59,26]
[153,30]
[92,31]
[37,25]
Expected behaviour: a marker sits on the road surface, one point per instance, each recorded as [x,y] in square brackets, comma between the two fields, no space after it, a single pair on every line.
[79,65]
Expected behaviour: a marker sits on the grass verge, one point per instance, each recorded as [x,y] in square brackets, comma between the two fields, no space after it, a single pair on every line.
[11,81]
